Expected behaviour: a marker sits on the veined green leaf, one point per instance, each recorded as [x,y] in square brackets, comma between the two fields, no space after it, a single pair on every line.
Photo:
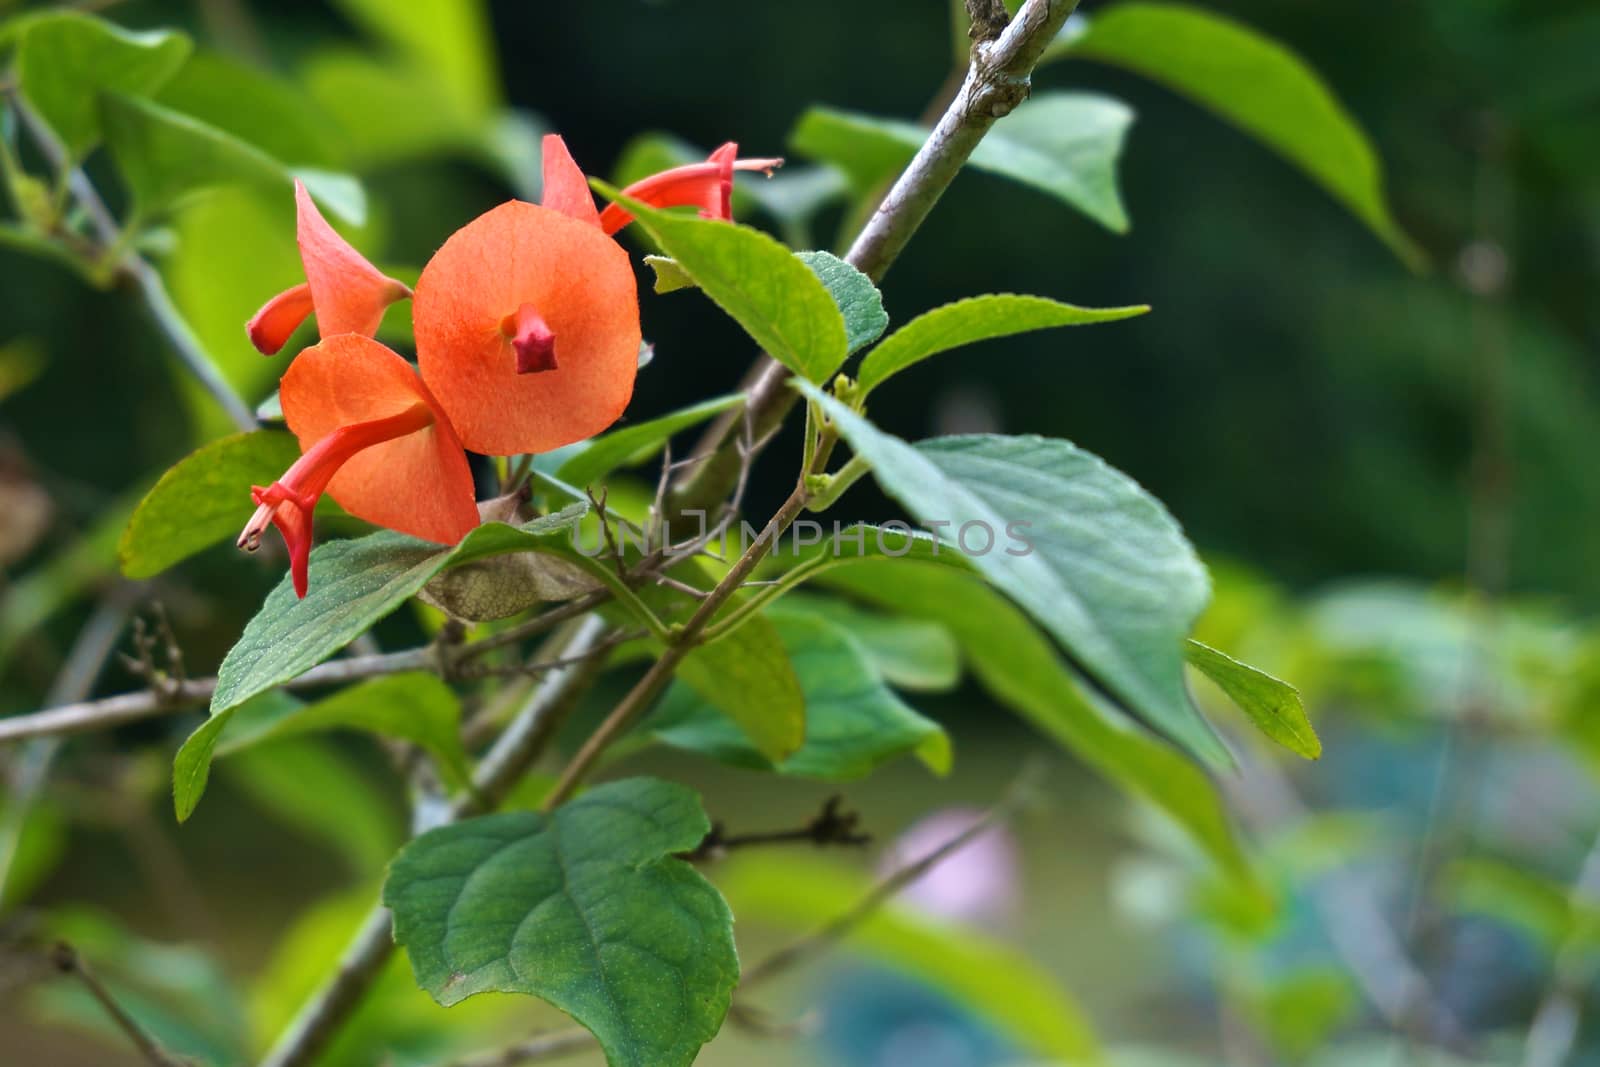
[779,301]
[747,676]
[977,318]
[353,585]
[1064,144]
[859,300]
[202,500]
[1105,569]
[998,982]
[1255,83]
[919,655]
[65,60]
[1271,704]
[414,707]
[853,722]
[586,908]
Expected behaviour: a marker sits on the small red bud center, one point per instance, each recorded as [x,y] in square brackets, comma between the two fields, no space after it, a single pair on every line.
[533,339]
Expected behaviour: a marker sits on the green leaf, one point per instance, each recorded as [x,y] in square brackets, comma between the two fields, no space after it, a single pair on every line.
[1273,705]
[977,318]
[747,677]
[414,707]
[778,300]
[669,276]
[586,908]
[165,156]
[1018,665]
[1107,571]
[1514,895]
[595,459]
[999,983]
[204,499]
[353,585]
[853,723]
[859,300]
[1255,83]
[1064,144]
[66,60]
[915,654]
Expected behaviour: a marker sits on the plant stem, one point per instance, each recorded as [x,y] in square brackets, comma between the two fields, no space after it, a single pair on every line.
[67,961]
[997,81]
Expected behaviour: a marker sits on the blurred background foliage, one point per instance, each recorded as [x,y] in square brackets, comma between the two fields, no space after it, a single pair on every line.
[1388,470]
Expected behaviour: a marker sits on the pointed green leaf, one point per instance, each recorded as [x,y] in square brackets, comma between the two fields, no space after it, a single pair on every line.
[1107,572]
[978,318]
[1273,705]
[353,585]
[1018,665]
[1255,83]
[670,277]
[202,500]
[414,707]
[165,156]
[779,301]
[859,300]
[586,908]
[1064,144]
[918,655]
[853,723]
[66,60]
[595,459]
[994,980]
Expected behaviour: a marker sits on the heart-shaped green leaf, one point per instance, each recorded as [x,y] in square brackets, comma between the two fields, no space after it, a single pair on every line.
[586,908]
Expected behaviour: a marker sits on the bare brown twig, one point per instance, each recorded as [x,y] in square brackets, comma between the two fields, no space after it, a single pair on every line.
[68,962]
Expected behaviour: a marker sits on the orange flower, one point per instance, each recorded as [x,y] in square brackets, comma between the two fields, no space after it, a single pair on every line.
[527,325]
[374,438]
[707,185]
[347,293]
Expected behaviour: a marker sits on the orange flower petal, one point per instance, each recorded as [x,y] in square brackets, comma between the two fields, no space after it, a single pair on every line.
[577,280]
[349,293]
[565,188]
[279,318]
[418,484]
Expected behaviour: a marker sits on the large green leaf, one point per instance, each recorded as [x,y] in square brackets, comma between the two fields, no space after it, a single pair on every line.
[586,908]
[1257,84]
[202,500]
[779,301]
[977,318]
[591,462]
[1065,144]
[451,40]
[353,585]
[1272,704]
[1105,569]
[859,300]
[414,707]
[996,981]
[1018,665]
[66,60]
[853,723]
[165,156]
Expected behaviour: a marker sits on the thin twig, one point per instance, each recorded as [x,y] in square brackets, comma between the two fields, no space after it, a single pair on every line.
[68,962]
[830,826]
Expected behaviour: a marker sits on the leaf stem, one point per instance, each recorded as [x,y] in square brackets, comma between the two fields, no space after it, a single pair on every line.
[68,962]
